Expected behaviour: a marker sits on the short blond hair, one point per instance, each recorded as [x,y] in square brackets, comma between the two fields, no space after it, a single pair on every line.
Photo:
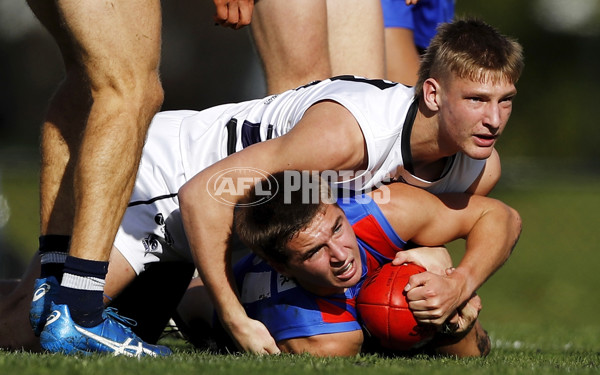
[470,48]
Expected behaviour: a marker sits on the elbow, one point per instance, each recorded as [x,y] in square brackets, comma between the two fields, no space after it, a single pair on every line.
[516,225]
[186,195]
[183,195]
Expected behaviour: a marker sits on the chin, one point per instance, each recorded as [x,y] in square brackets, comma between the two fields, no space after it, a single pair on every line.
[480,154]
[350,283]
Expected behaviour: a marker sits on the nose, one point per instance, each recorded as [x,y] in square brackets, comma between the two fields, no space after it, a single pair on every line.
[337,254]
[493,119]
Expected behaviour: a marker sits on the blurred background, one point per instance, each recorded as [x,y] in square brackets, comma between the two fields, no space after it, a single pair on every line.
[550,150]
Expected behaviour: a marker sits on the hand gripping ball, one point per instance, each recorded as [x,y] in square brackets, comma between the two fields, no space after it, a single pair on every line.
[383,308]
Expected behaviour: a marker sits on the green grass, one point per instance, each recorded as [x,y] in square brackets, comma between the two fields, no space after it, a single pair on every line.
[502,361]
[541,309]
[552,278]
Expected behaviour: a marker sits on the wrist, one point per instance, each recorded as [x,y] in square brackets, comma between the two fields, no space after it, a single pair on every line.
[232,315]
[464,281]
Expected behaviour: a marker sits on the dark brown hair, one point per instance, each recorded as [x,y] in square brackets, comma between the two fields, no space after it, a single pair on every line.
[267,227]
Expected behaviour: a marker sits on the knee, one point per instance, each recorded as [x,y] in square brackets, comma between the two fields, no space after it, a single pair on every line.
[138,93]
[153,95]
[143,91]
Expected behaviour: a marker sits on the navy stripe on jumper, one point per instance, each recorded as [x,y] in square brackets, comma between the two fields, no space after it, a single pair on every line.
[149,201]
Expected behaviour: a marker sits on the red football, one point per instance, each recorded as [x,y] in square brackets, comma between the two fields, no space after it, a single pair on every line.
[383,308]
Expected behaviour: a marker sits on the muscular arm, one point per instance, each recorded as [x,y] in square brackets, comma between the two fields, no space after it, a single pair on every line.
[491,230]
[313,144]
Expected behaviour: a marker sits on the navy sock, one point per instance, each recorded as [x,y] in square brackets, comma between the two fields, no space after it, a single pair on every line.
[82,290]
[53,252]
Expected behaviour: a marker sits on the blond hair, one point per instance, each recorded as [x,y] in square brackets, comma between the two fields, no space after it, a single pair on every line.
[471,49]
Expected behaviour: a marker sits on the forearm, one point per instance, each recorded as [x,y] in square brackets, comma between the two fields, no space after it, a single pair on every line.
[207,228]
[488,246]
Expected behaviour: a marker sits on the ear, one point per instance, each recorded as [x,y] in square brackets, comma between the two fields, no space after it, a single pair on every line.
[279,267]
[431,94]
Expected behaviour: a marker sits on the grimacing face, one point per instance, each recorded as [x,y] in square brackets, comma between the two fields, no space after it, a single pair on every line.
[473,114]
[324,257]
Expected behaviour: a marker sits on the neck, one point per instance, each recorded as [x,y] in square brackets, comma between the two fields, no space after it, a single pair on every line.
[428,157]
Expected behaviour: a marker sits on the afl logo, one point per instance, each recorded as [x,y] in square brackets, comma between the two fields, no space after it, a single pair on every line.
[231,185]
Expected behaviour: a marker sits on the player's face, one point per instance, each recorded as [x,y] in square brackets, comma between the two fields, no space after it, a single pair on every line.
[324,257]
[473,114]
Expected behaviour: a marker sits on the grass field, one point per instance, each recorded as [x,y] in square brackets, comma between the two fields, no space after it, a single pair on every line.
[541,309]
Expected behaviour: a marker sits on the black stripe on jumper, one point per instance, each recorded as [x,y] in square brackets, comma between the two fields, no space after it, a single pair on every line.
[137,203]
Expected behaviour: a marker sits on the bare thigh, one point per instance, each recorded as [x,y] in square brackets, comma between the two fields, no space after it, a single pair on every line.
[113,39]
[291,38]
[356,39]
[402,57]
[117,45]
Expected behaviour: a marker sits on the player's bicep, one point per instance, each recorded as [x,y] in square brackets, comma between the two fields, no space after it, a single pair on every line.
[444,218]
[457,215]
[421,217]
[327,137]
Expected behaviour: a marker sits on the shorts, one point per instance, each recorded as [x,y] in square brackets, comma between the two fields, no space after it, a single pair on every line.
[422,18]
[151,229]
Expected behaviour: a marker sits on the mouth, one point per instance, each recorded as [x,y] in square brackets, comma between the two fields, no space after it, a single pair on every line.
[485,140]
[347,272]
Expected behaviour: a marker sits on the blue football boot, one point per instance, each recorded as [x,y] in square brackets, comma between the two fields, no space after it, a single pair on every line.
[62,335]
[45,291]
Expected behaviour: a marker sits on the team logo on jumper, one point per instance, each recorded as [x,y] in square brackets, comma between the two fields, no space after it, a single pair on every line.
[284,283]
[231,185]
[160,220]
[150,243]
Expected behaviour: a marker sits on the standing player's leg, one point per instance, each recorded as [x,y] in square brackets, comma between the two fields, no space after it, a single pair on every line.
[402,56]
[401,53]
[291,39]
[115,48]
[122,68]
[356,41]
[308,40]
[61,131]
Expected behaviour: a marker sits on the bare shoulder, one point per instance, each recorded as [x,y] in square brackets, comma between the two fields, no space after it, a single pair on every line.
[489,176]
